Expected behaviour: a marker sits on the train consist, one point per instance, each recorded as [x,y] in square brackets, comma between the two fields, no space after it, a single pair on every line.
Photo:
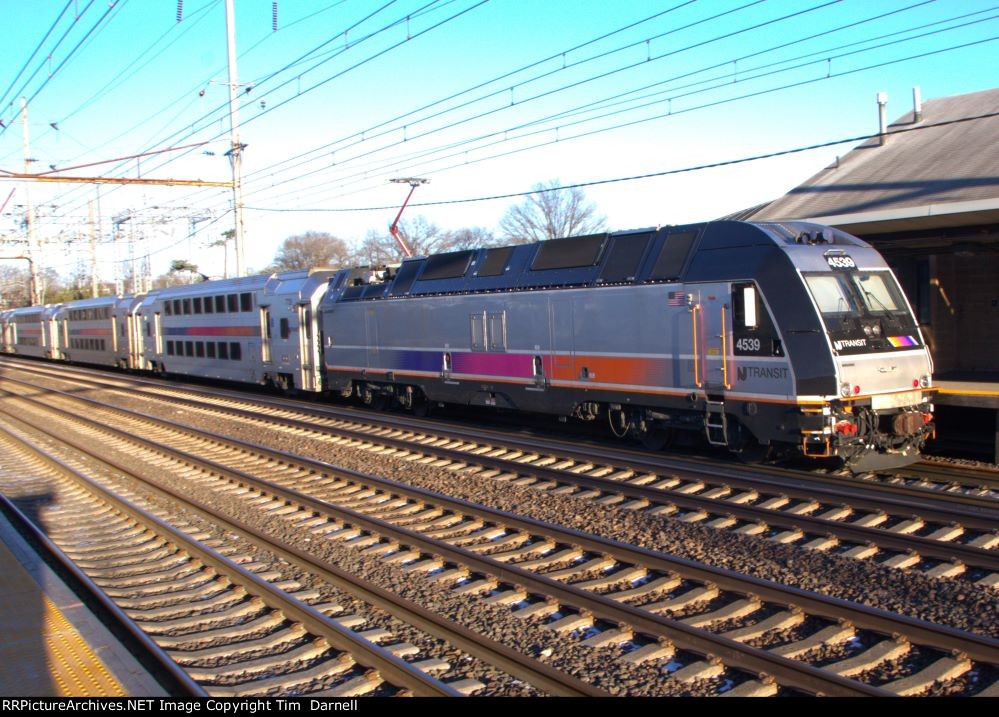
[765,339]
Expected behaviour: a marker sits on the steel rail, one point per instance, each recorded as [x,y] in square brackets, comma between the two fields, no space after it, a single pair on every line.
[925,547]
[536,673]
[737,655]
[779,479]
[364,651]
[172,671]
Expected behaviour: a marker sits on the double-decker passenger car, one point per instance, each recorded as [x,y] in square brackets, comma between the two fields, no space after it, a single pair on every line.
[32,331]
[85,331]
[258,329]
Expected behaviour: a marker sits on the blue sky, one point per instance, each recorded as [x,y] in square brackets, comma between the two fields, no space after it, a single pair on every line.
[535,94]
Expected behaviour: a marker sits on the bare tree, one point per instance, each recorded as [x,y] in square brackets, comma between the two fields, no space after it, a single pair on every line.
[551,213]
[305,251]
[471,238]
[423,237]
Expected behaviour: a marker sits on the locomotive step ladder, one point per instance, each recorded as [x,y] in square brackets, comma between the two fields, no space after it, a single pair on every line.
[715,423]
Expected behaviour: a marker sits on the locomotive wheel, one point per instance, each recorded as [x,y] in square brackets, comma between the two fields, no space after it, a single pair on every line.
[753,451]
[657,438]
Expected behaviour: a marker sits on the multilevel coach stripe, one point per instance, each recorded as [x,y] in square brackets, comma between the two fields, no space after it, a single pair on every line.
[212,331]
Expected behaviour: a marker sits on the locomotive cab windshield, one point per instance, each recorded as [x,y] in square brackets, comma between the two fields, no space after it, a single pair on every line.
[863,311]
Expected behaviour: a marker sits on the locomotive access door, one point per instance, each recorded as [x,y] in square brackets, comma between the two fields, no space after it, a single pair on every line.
[563,356]
[712,337]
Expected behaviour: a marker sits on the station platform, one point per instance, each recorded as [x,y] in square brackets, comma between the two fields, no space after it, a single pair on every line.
[970,407]
[52,644]
[977,394]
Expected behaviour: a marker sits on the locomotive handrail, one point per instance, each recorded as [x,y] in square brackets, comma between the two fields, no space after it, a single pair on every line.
[697,361]
[724,336]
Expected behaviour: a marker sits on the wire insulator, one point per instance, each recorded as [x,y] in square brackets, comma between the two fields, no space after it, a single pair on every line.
[274,16]
[180,10]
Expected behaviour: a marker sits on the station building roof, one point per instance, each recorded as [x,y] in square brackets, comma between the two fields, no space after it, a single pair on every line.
[919,181]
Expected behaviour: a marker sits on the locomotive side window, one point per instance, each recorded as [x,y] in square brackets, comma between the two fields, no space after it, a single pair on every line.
[753,332]
[744,300]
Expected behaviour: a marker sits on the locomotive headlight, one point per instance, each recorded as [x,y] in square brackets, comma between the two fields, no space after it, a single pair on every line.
[845,390]
[924,381]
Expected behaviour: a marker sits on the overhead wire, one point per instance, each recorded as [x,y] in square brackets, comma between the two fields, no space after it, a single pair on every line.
[711,104]
[606,74]
[663,173]
[182,135]
[31,57]
[505,132]
[616,180]
[412,36]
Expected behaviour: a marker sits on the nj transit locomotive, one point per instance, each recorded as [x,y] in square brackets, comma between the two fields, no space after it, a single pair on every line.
[788,337]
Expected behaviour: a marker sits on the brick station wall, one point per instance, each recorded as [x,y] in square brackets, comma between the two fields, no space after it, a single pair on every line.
[964,326]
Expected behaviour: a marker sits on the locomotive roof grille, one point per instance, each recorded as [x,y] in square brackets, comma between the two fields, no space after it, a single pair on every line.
[569,253]
[657,255]
[452,265]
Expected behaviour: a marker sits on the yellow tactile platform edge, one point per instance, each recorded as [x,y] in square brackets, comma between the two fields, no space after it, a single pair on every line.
[75,670]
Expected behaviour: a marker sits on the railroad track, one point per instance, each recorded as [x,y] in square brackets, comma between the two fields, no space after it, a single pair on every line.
[219,621]
[621,593]
[898,530]
[951,477]
[932,479]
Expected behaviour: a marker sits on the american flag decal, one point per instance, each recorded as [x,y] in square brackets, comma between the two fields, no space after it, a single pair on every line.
[676,298]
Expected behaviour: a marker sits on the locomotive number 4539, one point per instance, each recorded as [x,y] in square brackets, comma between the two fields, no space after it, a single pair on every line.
[841,262]
[749,345]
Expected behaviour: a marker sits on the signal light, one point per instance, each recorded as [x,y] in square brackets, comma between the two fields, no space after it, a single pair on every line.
[856,390]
